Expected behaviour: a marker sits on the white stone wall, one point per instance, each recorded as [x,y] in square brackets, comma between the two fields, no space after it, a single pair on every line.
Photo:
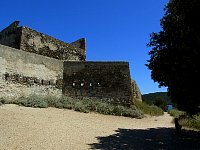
[14,61]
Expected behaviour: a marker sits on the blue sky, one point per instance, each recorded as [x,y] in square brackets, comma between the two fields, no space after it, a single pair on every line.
[115,30]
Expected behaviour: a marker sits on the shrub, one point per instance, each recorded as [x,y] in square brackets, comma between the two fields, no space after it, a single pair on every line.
[68,102]
[104,108]
[32,101]
[53,101]
[118,110]
[91,104]
[186,120]
[149,109]
[79,106]
[86,105]
[196,121]
[176,113]
[133,112]
[190,121]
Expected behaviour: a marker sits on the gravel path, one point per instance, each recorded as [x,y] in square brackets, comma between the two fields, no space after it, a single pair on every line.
[23,128]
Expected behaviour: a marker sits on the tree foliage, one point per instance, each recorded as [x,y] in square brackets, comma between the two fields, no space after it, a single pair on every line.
[174,55]
[151,97]
[161,103]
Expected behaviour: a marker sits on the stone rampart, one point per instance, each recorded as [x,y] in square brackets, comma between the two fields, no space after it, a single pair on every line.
[42,65]
[32,41]
[109,81]
[23,73]
[39,43]
[11,36]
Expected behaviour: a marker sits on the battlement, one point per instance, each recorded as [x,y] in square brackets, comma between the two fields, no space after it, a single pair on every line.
[29,40]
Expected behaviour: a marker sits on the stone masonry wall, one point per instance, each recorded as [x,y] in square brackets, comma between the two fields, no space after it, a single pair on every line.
[39,43]
[23,73]
[109,81]
[32,41]
[137,96]
[11,36]
[42,65]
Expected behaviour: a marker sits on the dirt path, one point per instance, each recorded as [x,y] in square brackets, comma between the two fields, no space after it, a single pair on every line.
[23,128]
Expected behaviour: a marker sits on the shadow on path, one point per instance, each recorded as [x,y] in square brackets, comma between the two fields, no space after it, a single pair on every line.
[149,139]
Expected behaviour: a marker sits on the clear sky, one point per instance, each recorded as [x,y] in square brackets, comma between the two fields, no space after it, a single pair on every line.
[115,30]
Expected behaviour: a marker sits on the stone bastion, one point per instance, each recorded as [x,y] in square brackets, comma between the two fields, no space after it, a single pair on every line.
[34,63]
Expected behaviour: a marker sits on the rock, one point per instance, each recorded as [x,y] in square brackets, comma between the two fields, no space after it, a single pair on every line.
[136,91]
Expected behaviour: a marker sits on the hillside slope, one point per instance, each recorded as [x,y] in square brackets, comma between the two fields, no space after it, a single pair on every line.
[151,97]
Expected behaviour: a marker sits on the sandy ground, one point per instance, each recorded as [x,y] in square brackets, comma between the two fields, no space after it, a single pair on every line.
[23,128]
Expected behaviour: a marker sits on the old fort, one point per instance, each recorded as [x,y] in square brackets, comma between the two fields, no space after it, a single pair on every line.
[34,63]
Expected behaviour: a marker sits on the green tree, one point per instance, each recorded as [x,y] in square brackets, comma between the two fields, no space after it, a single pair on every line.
[161,103]
[174,55]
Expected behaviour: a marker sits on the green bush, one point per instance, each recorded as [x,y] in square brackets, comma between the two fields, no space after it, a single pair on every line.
[53,101]
[118,110]
[32,101]
[176,113]
[149,109]
[86,105]
[93,105]
[186,120]
[79,106]
[190,121]
[133,112]
[67,102]
[104,108]
[196,121]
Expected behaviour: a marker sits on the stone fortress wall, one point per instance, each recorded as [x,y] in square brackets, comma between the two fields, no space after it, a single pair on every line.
[23,73]
[29,40]
[108,81]
[35,63]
